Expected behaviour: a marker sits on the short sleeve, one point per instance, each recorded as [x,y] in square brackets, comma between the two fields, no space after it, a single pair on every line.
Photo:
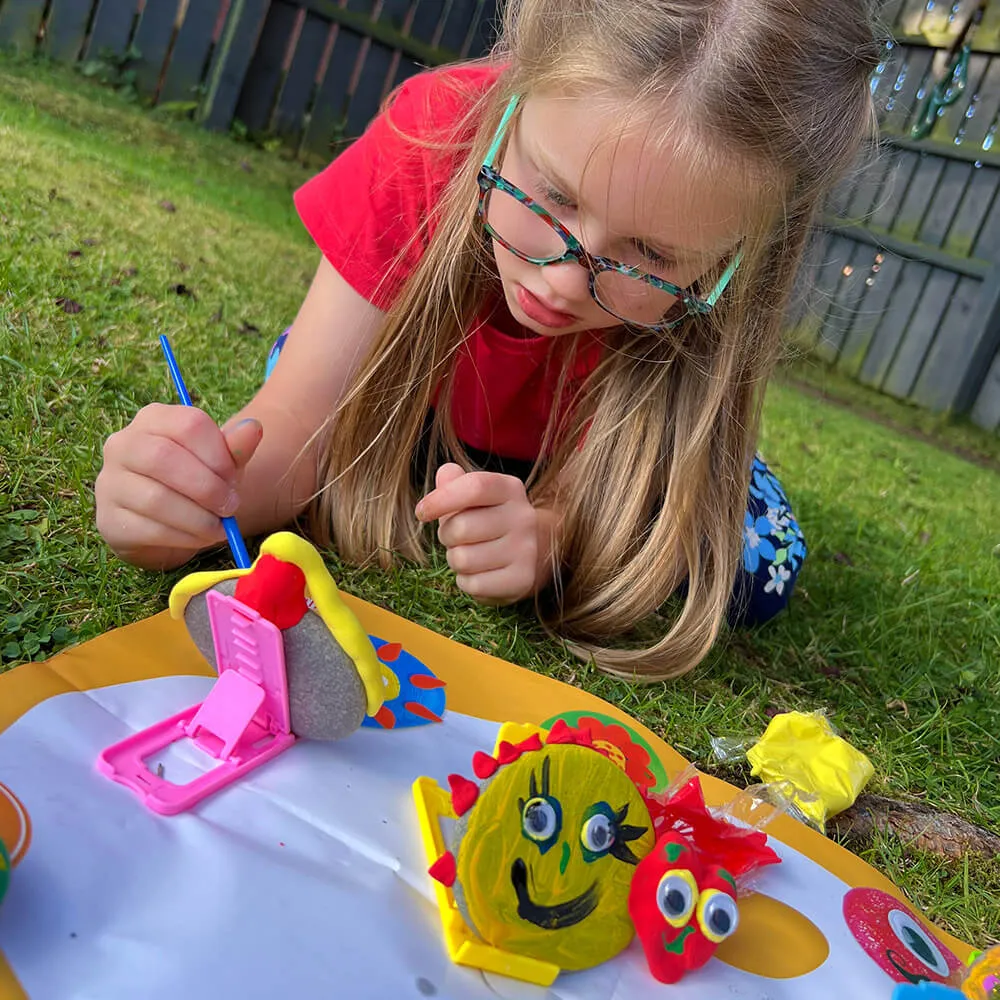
[366,209]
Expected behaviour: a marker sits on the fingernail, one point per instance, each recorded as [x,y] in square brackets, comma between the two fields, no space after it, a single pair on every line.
[419,510]
[231,503]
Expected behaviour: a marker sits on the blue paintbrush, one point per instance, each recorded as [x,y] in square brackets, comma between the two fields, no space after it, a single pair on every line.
[235,539]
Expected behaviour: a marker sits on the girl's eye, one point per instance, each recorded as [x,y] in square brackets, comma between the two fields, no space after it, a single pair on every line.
[555,198]
[598,834]
[676,896]
[539,820]
[654,260]
[717,915]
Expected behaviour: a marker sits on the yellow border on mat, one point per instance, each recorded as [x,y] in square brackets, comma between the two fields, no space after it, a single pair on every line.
[478,684]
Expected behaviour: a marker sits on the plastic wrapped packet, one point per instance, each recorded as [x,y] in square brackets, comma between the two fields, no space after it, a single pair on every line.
[801,757]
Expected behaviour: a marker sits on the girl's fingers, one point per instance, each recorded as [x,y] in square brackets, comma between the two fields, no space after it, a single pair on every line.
[472,489]
[171,464]
[156,503]
[134,531]
[481,558]
[498,586]
[192,429]
[471,527]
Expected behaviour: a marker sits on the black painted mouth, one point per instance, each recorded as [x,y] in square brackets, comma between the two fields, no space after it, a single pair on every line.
[911,977]
[552,918]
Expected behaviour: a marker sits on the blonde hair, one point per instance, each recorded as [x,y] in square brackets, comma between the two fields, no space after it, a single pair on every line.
[666,424]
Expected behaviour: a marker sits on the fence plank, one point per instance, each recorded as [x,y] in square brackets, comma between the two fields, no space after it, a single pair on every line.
[187,61]
[910,17]
[988,243]
[947,364]
[485,31]
[926,320]
[231,61]
[951,122]
[843,309]
[458,24]
[66,29]
[955,178]
[19,24]
[919,193]
[152,39]
[986,106]
[367,94]
[828,288]
[880,281]
[888,12]
[260,90]
[806,308]
[297,91]
[909,81]
[112,28]
[972,211]
[892,326]
[897,180]
[327,122]
[986,409]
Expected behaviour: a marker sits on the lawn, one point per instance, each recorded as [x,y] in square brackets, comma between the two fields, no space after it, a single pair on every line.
[118,225]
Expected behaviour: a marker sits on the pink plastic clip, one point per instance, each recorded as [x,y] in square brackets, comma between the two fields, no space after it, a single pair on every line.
[243,722]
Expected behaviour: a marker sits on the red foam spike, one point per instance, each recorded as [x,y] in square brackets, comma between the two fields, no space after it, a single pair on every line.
[385,718]
[426,682]
[389,653]
[463,793]
[507,753]
[444,869]
[584,738]
[533,742]
[421,711]
[560,733]
[483,765]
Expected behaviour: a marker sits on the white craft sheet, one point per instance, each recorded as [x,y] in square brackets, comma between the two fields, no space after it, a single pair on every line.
[307,879]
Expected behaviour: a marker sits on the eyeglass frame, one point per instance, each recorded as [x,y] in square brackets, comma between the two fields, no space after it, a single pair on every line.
[489,178]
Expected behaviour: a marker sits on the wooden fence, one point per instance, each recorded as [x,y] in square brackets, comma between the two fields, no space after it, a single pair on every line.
[309,71]
[902,285]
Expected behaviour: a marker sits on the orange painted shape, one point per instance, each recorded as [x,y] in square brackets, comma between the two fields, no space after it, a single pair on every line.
[15,826]
[774,940]
[389,653]
[426,682]
[385,718]
[421,711]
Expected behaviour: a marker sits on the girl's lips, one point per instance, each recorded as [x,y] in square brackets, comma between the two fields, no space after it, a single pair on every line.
[535,309]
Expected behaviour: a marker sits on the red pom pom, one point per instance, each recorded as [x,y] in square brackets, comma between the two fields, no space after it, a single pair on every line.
[483,765]
[463,793]
[444,869]
[560,733]
[507,753]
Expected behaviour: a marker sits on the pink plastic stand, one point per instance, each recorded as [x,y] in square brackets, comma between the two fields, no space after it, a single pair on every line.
[242,723]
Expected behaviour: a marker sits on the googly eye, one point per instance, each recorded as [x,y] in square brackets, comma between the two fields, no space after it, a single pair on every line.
[718,915]
[918,942]
[598,834]
[676,896]
[539,819]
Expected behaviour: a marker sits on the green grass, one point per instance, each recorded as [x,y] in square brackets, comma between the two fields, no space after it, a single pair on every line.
[895,628]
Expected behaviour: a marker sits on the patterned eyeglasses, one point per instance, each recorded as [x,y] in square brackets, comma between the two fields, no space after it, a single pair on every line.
[519,224]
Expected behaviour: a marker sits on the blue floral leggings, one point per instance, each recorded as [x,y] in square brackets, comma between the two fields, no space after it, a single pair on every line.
[773,545]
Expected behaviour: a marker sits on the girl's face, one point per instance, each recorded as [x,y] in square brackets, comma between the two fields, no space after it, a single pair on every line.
[621,197]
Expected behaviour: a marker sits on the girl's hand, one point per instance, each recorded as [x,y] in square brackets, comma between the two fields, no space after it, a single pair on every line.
[167,480]
[491,532]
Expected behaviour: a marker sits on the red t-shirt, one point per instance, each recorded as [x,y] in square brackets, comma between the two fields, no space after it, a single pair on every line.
[363,211]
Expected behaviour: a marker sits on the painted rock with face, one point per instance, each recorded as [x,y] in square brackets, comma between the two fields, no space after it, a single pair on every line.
[545,849]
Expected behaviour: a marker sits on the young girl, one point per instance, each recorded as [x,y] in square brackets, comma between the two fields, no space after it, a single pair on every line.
[551,292]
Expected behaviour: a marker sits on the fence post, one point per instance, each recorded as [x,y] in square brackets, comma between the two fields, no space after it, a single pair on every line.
[231,60]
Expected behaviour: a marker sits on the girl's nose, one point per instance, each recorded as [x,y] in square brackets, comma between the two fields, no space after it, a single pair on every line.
[568,281]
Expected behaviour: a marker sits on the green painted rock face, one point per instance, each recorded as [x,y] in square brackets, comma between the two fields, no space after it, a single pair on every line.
[4,870]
